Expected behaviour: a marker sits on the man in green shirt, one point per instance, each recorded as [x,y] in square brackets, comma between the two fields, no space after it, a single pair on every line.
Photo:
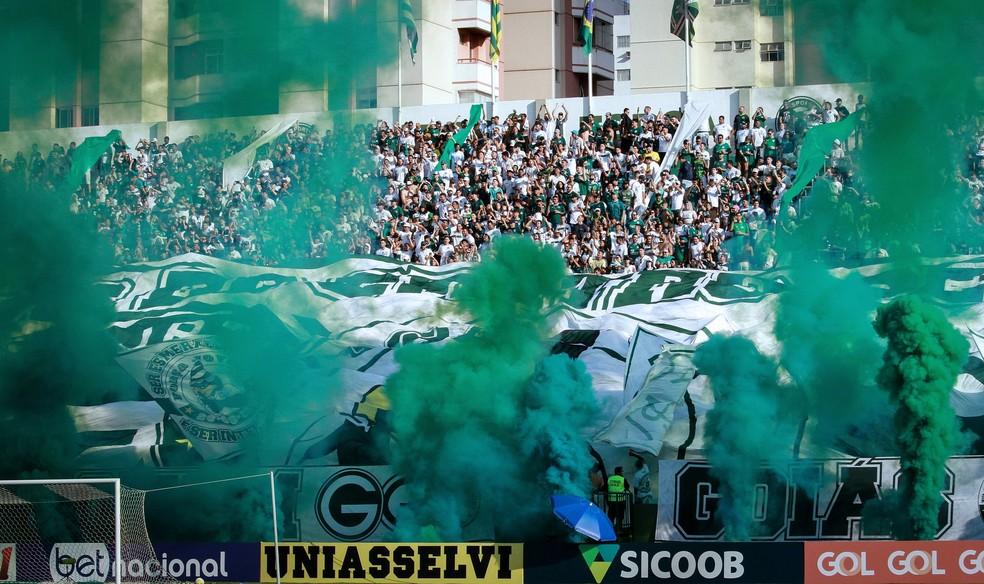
[746,155]
[771,145]
[616,208]
[556,212]
[721,147]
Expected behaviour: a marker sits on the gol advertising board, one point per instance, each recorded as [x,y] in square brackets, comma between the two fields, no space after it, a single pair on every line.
[894,562]
[354,563]
[610,563]
[830,509]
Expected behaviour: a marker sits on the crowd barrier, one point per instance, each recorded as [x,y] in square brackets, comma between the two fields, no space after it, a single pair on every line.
[814,562]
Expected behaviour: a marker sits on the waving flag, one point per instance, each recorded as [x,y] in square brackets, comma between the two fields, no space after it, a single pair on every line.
[459,137]
[494,49]
[587,25]
[407,19]
[684,13]
[632,332]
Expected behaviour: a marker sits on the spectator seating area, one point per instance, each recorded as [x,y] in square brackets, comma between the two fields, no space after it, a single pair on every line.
[593,188]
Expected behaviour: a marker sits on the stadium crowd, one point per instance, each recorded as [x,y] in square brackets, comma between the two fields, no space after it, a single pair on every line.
[593,188]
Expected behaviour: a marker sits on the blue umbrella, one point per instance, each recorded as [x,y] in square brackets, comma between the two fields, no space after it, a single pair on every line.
[584,517]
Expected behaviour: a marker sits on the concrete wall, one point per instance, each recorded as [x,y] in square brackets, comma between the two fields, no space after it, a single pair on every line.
[723,102]
[134,46]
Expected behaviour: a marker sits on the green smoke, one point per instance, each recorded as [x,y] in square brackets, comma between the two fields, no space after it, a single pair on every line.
[487,425]
[921,363]
[923,99]
[280,381]
[751,424]
[831,353]
[54,346]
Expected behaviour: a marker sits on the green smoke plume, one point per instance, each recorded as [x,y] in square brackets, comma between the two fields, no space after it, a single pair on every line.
[921,363]
[751,424]
[55,349]
[831,353]
[280,381]
[922,102]
[487,423]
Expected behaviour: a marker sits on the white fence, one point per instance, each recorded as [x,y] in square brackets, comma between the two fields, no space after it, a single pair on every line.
[723,102]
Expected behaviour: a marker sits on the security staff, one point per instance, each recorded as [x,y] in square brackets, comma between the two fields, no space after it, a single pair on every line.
[618,491]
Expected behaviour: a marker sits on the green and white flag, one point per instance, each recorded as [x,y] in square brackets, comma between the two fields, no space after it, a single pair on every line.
[409,21]
[628,330]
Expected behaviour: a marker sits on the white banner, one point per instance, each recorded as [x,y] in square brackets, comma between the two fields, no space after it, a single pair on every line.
[694,116]
[238,165]
[642,423]
[170,313]
[827,507]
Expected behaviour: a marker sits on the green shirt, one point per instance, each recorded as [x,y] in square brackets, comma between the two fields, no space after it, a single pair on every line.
[771,146]
[722,147]
[747,151]
[557,213]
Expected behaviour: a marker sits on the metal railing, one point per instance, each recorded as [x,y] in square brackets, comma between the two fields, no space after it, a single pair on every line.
[601,499]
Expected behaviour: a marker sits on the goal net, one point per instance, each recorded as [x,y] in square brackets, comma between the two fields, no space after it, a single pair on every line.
[75,531]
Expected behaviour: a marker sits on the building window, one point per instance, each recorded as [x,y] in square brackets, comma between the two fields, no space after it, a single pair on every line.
[601,37]
[623,42]
[64,117]
[743,45]
[722,46]
[205,57]
[365,97]
[184,8]
[90,115]
[213,57]
[771,7]
[731,2]
[472,96]
[772,52]
[623,75]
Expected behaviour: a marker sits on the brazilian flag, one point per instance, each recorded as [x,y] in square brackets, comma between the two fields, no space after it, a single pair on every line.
[587,25]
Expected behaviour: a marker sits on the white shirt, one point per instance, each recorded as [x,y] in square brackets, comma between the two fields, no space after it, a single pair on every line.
[758,136]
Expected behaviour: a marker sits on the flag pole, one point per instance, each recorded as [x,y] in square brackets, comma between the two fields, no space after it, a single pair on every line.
[399,74]
[591,82]
[686,48]
[492,86]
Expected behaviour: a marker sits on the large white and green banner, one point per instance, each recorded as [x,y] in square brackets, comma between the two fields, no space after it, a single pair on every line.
[634,333]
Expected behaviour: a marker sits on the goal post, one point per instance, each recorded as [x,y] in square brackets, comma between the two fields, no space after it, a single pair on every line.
[91,530]
[73,530]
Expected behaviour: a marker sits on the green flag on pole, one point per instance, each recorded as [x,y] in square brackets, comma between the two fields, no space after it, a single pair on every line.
[813,154]
[86,156]
[460,136]
[407,19]
[683,15]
